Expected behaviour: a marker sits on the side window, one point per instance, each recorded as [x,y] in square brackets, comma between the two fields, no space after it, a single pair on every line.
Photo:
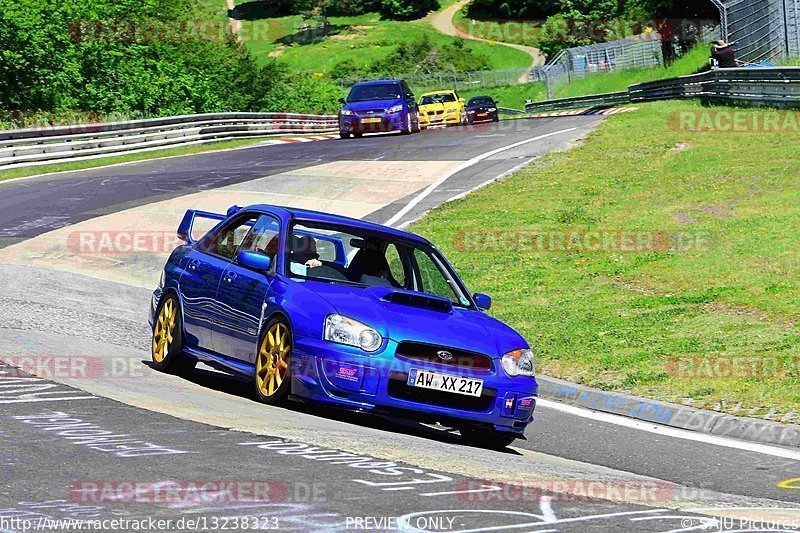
[326,250]
[432,279]
[395,261]
[264,238]
[226,241]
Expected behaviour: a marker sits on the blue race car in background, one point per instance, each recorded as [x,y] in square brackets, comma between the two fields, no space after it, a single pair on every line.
[343,312]
[378,106]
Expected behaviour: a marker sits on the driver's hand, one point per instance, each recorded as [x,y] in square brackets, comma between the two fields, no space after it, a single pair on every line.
[313,263]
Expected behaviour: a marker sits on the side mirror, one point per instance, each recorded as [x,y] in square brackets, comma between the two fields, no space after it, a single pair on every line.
[342,101]
[496,102]
[254,261]
[461,100]
[483,301]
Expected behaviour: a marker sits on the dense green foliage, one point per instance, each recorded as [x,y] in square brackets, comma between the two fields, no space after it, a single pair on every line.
[421,56]
[134,57]
[598,9]
[569,23]
[389,9]
[407,9]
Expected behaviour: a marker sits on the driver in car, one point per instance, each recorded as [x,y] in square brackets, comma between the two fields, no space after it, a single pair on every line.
[304,255]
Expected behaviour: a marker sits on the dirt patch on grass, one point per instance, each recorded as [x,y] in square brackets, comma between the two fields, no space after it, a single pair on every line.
[678,148]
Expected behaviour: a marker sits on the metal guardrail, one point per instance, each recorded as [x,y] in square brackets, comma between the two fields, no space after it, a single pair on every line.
[748,87]
[510,111]
[37,146]
[581,102]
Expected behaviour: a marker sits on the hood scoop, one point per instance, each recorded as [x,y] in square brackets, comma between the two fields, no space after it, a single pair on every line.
[422,301]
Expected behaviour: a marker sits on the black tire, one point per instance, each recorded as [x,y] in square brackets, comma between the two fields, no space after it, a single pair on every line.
[496,119]
[483,438]
[265,392]
[358,135]
[166,348]
[417,128]
[409,128]
[344,135]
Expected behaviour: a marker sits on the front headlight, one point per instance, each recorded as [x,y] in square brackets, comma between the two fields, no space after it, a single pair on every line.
[519,363]
[492,109]
[346,113]
[343,330]
[395,109]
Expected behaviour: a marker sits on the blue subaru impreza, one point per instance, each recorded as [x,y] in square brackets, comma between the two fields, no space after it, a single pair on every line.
[340,311]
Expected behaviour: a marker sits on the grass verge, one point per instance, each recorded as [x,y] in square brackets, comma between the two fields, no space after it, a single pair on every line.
[127,158]
[610,82]
[364,39]
[713,321]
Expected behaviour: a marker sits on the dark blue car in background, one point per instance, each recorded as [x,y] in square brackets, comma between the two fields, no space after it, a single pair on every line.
[343,312]
[379,106]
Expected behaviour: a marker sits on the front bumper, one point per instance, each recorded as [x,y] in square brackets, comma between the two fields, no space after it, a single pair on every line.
[483,116]
[448,119]
[330,373]
[372,123]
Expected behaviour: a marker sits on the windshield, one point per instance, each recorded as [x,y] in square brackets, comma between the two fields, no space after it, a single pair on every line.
[481,100]
[437,98]
[383,91]
[348,257]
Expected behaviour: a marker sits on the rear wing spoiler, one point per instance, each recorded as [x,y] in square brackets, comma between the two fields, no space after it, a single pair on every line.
[185,227]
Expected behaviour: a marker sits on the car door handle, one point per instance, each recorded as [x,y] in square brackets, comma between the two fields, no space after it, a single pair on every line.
[193,264]
[230,276]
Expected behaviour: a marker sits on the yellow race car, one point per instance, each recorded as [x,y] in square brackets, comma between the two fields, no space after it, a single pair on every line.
[441,107]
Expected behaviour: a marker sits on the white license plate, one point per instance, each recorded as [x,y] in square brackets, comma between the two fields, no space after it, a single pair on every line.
[445,383]
[370,120]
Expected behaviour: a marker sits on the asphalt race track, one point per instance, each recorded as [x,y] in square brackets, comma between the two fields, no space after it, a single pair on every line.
[121,441]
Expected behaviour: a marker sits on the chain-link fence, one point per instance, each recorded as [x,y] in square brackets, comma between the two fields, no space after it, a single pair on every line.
[761,30]
[643,51]
[637,52]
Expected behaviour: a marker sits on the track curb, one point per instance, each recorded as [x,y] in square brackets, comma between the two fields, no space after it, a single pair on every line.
[670,414]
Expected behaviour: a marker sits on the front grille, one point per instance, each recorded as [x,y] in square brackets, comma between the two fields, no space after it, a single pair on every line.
[371,113]
[429,353]
[432,113]
[398,388]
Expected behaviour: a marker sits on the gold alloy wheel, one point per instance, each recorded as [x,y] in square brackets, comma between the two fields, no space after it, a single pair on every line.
[271,363]
[163,332]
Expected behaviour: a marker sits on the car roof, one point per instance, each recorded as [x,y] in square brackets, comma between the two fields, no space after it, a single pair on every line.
[444,91]
[307,215]
[377,82]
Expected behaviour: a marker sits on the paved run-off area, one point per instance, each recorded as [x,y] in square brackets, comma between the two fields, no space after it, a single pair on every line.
[73,291]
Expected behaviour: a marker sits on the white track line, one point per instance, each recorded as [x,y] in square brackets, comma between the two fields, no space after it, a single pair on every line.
[677,433]
[463,166]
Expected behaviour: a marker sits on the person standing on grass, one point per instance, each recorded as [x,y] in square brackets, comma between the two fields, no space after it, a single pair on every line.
[723,54]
